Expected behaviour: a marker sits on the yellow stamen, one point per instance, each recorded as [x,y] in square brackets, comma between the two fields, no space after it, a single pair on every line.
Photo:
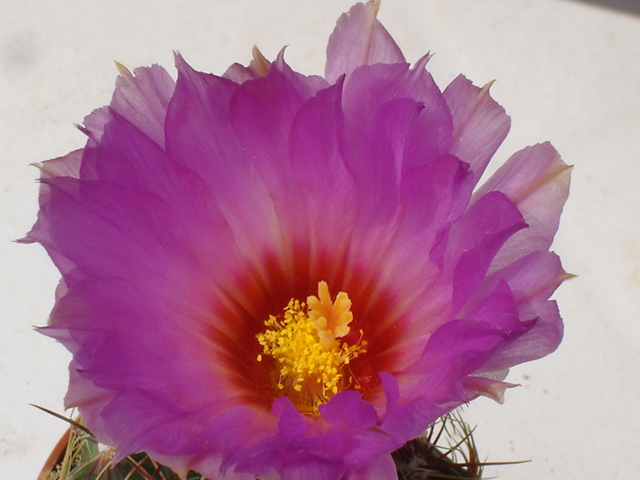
[304,342]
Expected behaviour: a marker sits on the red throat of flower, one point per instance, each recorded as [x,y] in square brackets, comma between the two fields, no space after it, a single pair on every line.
[305,342]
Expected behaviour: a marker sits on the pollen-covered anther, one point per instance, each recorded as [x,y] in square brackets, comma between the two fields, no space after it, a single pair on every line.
[305,343]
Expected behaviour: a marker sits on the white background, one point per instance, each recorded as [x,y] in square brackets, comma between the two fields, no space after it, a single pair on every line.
[566,71]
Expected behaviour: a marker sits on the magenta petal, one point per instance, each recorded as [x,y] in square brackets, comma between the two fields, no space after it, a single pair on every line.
[210,464]
[542,339]
[263,109]
[68,165]
[238,434]
[498,308]
[386,110]
[143,98]
[474,241]
[531,280]
[261,113]
[95,213]
[200,136]
[535,275]
[480,124]
[382,468]
[536,180]
[493,389]
[374,164]
[124,410]
[371,87]
[455,351]
[532,286]
[128,157]
[197,124]
[405,419]
[434,194]
[314,148]
[83,392]
[348,408]
[359,39]
[258,67]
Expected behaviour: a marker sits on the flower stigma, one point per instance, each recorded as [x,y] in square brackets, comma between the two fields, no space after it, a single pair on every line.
[306,343]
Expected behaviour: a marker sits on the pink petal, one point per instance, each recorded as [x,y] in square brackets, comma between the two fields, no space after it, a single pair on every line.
[143,98]
[487,387]
[536,180]
[407,410]
[359,39]
[348,408]
[395,118]
[369,88]
[531,279]
[382,468]
[258,67]
[68,165]
[473,242]
[480,124]
[262,112]
[200,136]
[318,166]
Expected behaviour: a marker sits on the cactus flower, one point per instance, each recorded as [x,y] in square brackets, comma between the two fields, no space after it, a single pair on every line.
[273,275]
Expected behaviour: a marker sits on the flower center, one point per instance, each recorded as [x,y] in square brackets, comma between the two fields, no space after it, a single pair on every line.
[306,343]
